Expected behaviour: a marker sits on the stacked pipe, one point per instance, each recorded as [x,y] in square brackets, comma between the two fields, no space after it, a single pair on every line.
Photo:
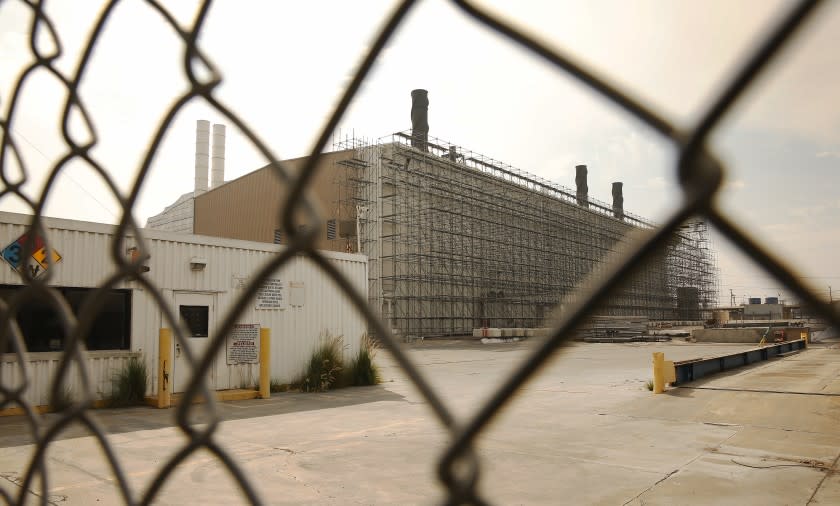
[582,186]
[202,156]
[618,200]
[419,119]
[218,155]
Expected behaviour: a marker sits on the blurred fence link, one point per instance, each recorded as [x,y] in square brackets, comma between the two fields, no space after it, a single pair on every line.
[700,174]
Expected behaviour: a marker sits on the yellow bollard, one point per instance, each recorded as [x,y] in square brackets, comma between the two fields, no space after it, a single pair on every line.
[164,367]
[658,372]
[265,363]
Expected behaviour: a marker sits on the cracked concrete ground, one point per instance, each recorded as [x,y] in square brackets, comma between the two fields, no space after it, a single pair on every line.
[584,431]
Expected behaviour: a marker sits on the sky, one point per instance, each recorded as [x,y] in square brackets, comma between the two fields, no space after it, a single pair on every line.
[286,64]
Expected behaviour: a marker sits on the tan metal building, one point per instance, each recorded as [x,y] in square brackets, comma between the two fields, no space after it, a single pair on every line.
[249,207]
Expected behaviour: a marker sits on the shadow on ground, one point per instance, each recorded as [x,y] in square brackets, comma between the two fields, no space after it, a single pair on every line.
[16,430]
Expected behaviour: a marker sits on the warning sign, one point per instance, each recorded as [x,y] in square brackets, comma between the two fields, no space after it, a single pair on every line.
[243,344]
[271,295]
[13,255]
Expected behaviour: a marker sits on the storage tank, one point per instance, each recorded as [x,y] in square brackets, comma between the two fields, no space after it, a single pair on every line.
[755,300]
[771,300]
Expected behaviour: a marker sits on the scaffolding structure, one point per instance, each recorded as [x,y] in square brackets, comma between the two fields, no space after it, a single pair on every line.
[457,241]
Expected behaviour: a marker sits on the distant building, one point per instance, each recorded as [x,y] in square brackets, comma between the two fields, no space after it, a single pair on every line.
[763,311]
[457,240]
[179,216]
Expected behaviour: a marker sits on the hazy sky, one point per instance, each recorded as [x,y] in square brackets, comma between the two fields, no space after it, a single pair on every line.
[286,63]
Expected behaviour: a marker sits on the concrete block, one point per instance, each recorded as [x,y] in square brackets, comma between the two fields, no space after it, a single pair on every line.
[494,332]
[742,335]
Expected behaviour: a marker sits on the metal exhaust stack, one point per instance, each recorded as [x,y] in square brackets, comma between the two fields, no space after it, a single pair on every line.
[419,119]
[202,156]
[618,200]
[218,170]
[582,187]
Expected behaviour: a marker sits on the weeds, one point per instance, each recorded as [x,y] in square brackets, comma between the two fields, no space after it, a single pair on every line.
[326,368]
[325,365]
[649,385]
[362,371]
[128,386]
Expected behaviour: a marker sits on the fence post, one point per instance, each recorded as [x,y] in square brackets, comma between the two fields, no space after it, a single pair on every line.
[265,363]
[164,367]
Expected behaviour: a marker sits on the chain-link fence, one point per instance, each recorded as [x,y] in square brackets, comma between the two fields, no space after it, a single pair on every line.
[700,175]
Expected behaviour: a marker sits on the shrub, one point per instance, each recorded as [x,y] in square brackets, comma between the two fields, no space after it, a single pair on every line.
[128,386]
[362,371]
[324,366]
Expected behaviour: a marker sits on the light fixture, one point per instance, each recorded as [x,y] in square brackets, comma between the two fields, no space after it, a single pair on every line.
[198,263]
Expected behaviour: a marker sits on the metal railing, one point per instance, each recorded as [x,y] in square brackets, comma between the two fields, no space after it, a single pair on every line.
[700,175]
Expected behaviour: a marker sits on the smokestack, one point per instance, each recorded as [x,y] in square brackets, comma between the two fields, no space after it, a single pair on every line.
[582,187]
[419,118]
[202,155]
[218,170]
[618,200]
[453,153]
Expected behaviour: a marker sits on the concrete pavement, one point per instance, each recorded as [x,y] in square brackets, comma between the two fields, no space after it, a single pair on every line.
[585,431]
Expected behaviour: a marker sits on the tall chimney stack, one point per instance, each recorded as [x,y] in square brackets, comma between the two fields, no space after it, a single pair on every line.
[419,119]
[202,155]
[582,187]
[218,170]
[618,200]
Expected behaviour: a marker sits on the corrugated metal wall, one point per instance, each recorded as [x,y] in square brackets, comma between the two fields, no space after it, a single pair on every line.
[258,197]
[86,248]
[42,368]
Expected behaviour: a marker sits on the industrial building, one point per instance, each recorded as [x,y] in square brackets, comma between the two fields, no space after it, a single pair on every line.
[179,216]
[199,278]
[456,240]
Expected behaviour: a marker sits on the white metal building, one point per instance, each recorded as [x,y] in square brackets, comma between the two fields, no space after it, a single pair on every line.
[200,277]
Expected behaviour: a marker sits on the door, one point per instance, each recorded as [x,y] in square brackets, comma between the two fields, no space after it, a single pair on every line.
[197,315]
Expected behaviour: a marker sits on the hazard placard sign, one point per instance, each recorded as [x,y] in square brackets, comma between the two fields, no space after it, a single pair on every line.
[13,255]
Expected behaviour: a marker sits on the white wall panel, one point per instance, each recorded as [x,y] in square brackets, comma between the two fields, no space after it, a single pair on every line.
[41,369]
[86,262]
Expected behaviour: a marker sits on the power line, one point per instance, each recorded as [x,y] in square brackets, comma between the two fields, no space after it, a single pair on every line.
[18,134]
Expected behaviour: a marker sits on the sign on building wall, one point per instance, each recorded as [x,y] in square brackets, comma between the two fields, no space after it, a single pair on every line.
[13,255]
[272,295]
[243,344]
[297,293]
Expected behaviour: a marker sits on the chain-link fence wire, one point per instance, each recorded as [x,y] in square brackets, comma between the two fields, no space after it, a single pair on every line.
[700,176]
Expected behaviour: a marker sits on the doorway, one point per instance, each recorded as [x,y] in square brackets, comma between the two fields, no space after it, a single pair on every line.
[196,311]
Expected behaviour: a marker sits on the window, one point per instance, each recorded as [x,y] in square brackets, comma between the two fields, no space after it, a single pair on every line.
[196,318]
[42,330]
[278,236]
